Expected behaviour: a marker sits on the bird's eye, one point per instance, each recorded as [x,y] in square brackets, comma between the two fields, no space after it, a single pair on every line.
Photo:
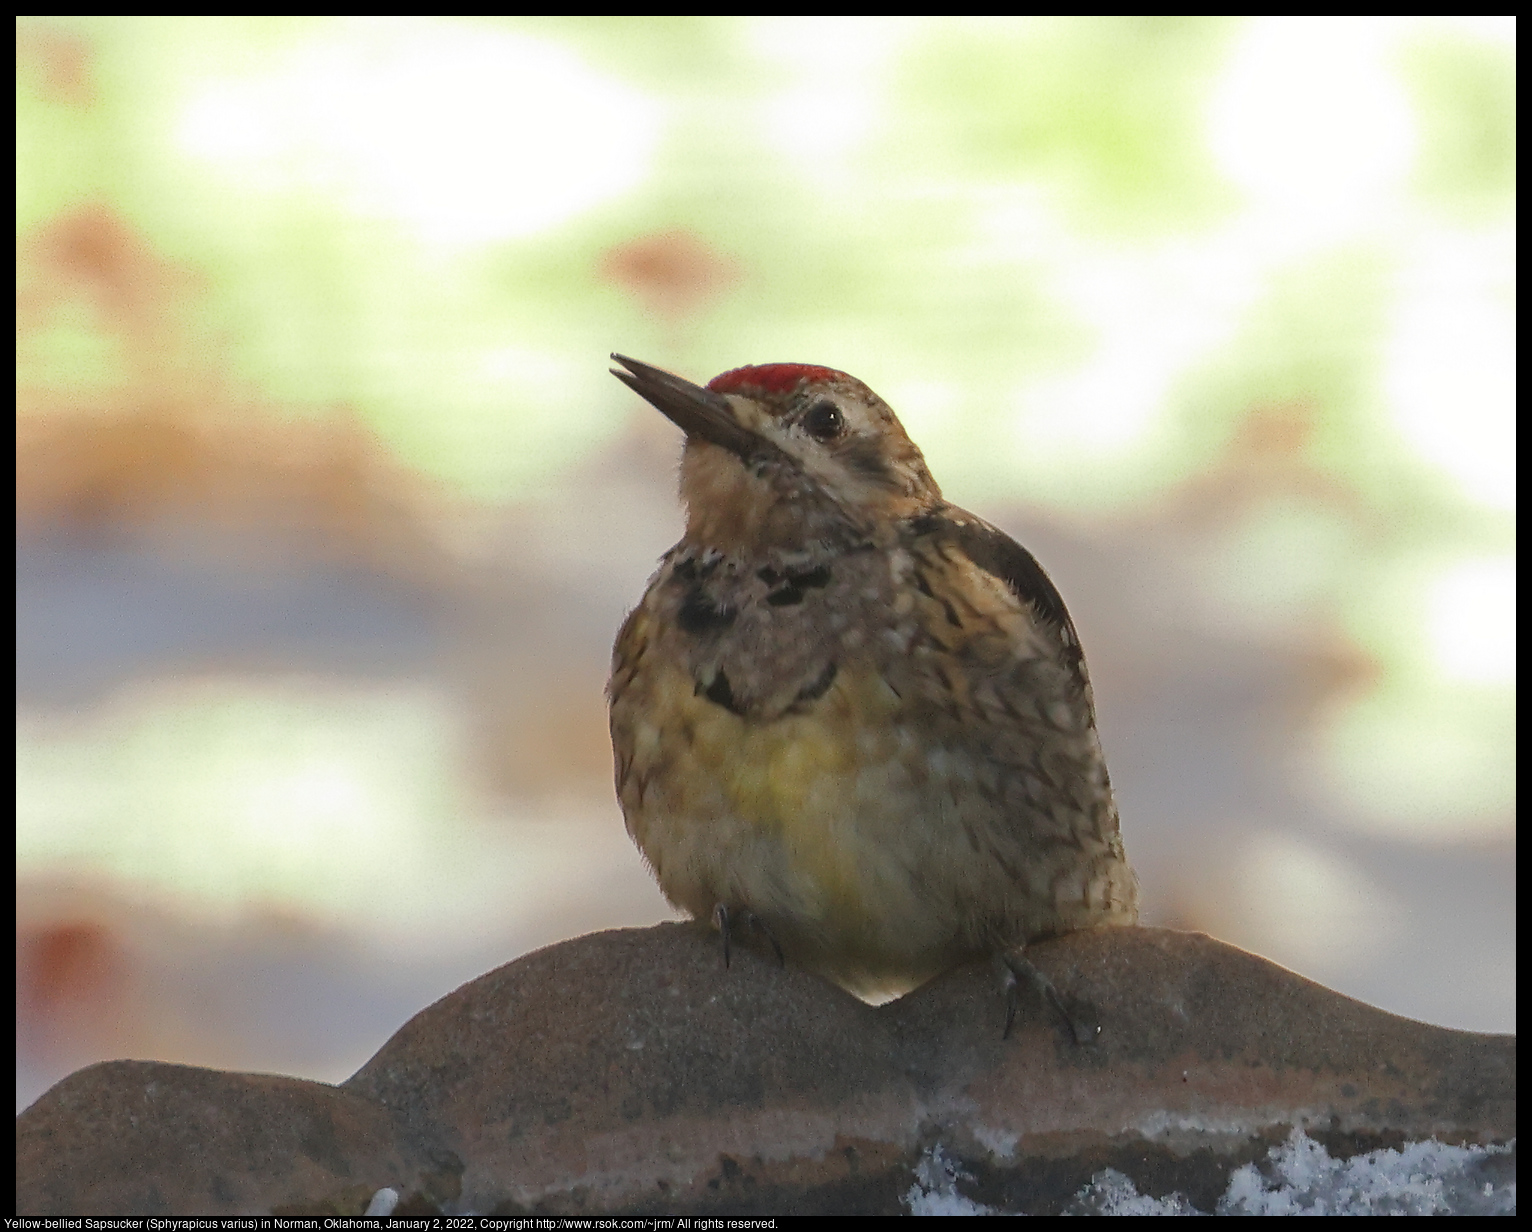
[823,421]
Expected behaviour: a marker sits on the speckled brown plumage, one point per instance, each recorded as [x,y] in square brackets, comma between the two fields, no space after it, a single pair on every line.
[850,710]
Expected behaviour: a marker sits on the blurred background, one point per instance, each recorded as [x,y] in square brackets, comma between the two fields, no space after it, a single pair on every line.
[328,510]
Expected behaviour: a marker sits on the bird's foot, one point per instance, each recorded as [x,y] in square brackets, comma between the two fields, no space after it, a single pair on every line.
[1015,967]
[725,918]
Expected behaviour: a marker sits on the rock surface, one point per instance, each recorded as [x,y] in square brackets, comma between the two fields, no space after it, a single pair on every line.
[629,1072]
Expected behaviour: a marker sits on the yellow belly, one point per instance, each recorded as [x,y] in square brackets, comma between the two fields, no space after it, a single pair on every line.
[815,822]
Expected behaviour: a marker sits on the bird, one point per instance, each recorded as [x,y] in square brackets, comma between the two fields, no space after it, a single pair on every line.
[848,714]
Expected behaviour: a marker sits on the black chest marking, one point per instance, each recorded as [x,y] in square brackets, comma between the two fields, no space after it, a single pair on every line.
[790,586]
[757,647]
[701,612]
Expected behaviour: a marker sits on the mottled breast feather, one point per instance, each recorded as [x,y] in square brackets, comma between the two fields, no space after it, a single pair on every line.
[848,710]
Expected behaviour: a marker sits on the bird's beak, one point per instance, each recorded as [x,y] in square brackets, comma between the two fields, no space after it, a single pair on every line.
[698,412]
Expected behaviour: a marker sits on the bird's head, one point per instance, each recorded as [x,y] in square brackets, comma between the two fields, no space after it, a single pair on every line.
[780,455]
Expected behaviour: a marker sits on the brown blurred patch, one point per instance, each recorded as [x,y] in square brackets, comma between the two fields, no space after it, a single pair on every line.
[540,734]
[1271,452]
[102,972]
[674,273]
[1335,670]
[322,489]
[93,251]
[168,443]
[55,64]
[72,984]
[1276,430]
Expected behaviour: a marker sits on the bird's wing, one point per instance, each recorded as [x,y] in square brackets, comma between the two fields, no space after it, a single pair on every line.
[1000,556]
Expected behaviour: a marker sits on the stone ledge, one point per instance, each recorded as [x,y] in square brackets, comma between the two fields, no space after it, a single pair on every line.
[629,1072]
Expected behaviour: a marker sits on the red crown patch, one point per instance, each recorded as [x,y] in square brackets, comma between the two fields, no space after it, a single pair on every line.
[769,378]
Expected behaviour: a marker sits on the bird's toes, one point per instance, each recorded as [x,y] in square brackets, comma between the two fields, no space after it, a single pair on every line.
[1079,1018]
[731,920]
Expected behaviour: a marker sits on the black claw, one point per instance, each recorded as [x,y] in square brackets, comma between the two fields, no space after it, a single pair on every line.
[721,918]
[1017,966]
[1082,1032]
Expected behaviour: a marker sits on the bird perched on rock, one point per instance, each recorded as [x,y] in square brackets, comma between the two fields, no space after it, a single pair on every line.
[847,713]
